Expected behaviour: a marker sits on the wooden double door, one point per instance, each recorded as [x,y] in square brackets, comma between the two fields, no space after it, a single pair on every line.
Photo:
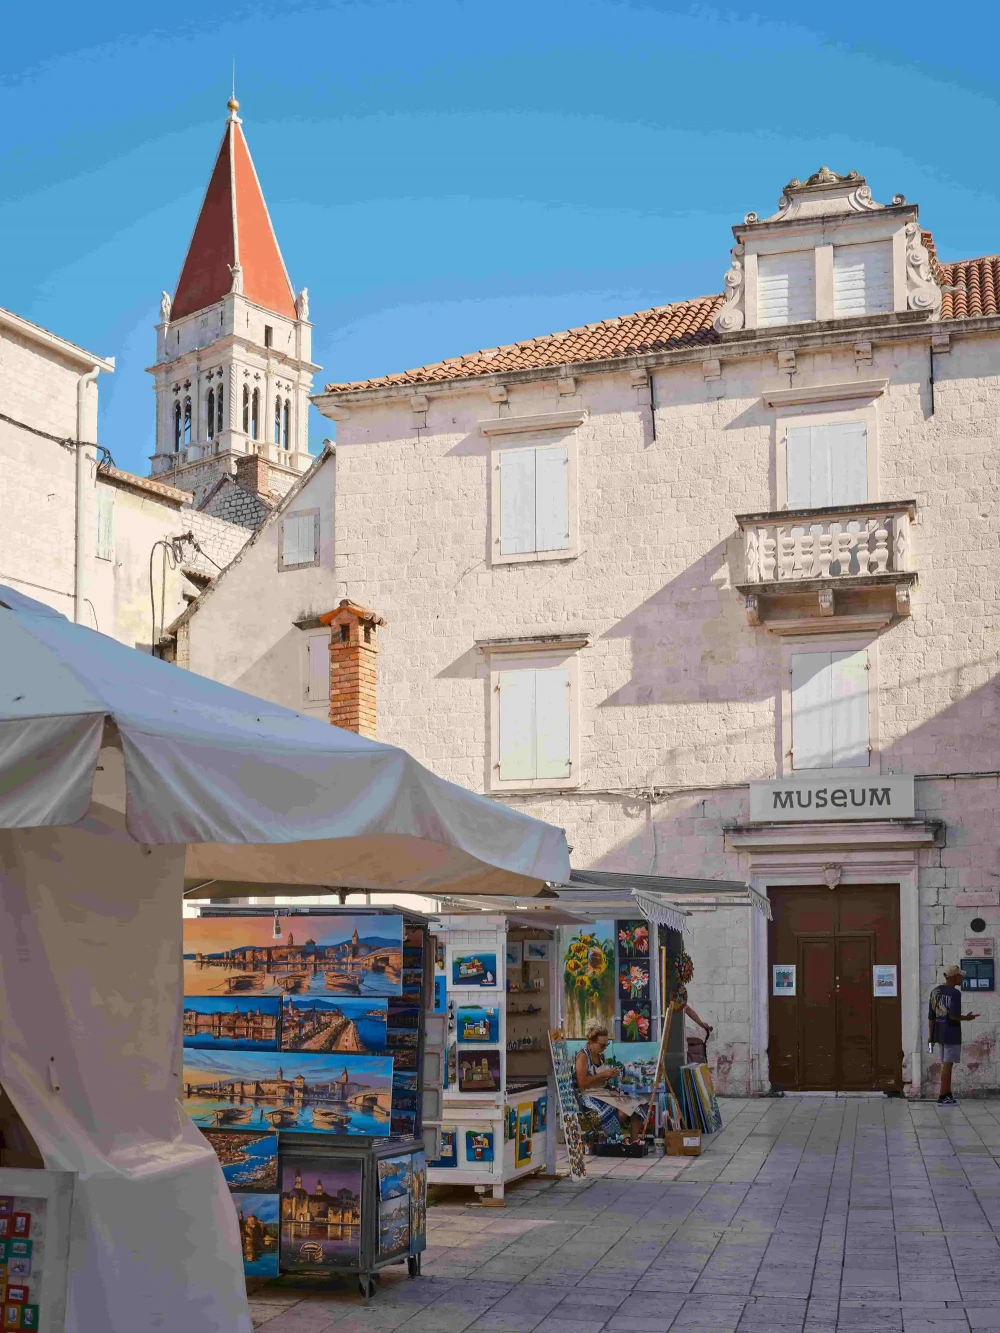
[834,1033]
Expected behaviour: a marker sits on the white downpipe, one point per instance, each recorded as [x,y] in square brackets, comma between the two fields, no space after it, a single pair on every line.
[85,422]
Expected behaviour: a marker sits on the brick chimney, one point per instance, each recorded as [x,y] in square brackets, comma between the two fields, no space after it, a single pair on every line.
[253,474]
[352,667]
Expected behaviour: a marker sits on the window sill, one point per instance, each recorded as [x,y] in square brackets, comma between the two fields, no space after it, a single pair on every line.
[536,557]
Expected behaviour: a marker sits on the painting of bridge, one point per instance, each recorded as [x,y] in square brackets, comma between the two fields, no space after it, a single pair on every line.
[293,955]
[343,1094]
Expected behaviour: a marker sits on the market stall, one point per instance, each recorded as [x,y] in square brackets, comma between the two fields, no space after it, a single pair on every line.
[121,779]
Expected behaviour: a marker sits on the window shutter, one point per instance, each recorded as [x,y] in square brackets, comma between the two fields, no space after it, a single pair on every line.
[552,726]
[786,287]
[105,525]
[517,501]
[517,725]
[810,710]
[826,465]
[298,539]
[318,677]
[830,710]
[862,278]
[552,498]
[849,710]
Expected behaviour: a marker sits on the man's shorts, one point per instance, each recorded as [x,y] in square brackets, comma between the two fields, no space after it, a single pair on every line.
[948,1055]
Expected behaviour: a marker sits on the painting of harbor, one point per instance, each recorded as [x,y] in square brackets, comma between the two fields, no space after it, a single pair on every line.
[394,1177]
[394,1226]
[258,1219]
[293,955]
[333,1094]
[349,1024]
[249,1158]
[320,1214]
[232,1024]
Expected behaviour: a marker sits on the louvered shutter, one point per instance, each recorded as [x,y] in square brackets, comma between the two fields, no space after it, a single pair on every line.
[517,725]
[105,525]
[517,501]
[810,710]
[786,287]
[298,539]
[552,723]
[849,710]
[826,465]
[862,278]
[551,498]
[830,710]
[318,647]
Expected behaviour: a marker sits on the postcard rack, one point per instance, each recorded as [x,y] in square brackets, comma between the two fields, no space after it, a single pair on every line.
[498,1117]
[304,1067]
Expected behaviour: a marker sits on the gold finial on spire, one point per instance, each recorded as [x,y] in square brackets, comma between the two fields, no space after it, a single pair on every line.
[233,104]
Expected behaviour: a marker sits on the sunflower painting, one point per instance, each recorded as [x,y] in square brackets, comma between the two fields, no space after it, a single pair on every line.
[589,978]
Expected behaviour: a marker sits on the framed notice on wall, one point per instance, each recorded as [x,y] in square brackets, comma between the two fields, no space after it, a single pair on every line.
[783,979]
[884,980]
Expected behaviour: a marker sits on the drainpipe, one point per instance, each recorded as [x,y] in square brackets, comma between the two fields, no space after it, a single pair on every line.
[84,423]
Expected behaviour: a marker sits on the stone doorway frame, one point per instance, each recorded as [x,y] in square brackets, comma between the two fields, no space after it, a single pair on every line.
[832,853]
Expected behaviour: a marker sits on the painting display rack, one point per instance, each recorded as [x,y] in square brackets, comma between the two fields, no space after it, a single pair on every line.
[304,1068]
[498,1114]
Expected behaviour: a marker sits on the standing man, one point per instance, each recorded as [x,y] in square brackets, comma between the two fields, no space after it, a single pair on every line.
[944,1027]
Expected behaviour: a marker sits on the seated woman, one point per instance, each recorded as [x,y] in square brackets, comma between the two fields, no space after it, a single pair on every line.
[614,1112]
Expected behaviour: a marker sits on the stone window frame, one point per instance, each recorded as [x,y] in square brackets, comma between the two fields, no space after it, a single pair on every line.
[827,643]
[554,651]
[299,564]
[825,405]
[547,429]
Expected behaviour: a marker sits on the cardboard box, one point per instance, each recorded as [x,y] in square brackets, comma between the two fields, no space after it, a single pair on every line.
[682,1142]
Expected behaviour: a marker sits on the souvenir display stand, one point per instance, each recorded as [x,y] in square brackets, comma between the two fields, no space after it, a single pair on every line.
[34,1248]
[304,1066]
[494,981]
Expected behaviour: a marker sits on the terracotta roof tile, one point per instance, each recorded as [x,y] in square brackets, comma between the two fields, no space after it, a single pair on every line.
[682,324]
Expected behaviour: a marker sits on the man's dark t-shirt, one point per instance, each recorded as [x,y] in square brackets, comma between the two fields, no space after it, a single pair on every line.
[943,1010]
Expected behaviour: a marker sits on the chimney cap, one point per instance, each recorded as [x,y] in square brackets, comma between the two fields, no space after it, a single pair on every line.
[351,608]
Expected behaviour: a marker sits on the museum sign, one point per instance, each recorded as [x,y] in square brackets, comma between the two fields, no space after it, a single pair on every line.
[783,800]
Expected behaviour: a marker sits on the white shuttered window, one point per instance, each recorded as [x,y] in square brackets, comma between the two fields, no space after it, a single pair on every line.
[862,279]
[830,710]
[318,666]
[826,465]
[105,525]
[299,544]
[786,287]
[534,499]
[534,717]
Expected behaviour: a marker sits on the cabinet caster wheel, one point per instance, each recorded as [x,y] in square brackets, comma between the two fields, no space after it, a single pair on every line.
[413,1265]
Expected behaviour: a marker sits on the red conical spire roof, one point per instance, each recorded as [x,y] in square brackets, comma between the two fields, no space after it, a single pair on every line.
[233,227]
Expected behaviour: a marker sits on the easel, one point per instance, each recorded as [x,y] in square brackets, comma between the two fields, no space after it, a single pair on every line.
[661,1067]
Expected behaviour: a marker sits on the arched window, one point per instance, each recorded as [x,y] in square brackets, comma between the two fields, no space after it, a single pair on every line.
[187,422]
[287,418]
[277,420]
[246,410]
[220,415]
[255,415]
[177,427]
[211,414]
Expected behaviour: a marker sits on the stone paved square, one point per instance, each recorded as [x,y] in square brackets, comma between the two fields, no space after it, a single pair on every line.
[804,1215]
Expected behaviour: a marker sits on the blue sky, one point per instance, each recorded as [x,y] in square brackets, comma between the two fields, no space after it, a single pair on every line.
[447,175]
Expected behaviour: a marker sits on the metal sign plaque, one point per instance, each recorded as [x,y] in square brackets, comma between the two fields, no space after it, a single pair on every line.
[789,800]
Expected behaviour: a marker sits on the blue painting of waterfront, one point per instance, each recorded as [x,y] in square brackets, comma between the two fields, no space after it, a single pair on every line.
[328,1094]
[228,1023]
[260,1222]
[249,1158]
[348,1024]
[309,955]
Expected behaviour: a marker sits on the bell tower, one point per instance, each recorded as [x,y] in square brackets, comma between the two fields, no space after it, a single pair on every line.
[233,367]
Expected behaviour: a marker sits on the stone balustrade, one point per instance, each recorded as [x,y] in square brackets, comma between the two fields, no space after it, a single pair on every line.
[847,541]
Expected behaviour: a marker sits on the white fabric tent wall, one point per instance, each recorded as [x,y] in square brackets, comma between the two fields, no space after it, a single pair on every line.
[90,956]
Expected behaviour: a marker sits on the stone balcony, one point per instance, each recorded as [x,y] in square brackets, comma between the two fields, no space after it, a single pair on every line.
[831,570]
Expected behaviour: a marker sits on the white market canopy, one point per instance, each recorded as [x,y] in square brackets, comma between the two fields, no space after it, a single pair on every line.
[260,794]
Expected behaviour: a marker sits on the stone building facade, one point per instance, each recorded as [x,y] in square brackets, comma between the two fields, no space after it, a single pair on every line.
[693,583]
[106,548]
